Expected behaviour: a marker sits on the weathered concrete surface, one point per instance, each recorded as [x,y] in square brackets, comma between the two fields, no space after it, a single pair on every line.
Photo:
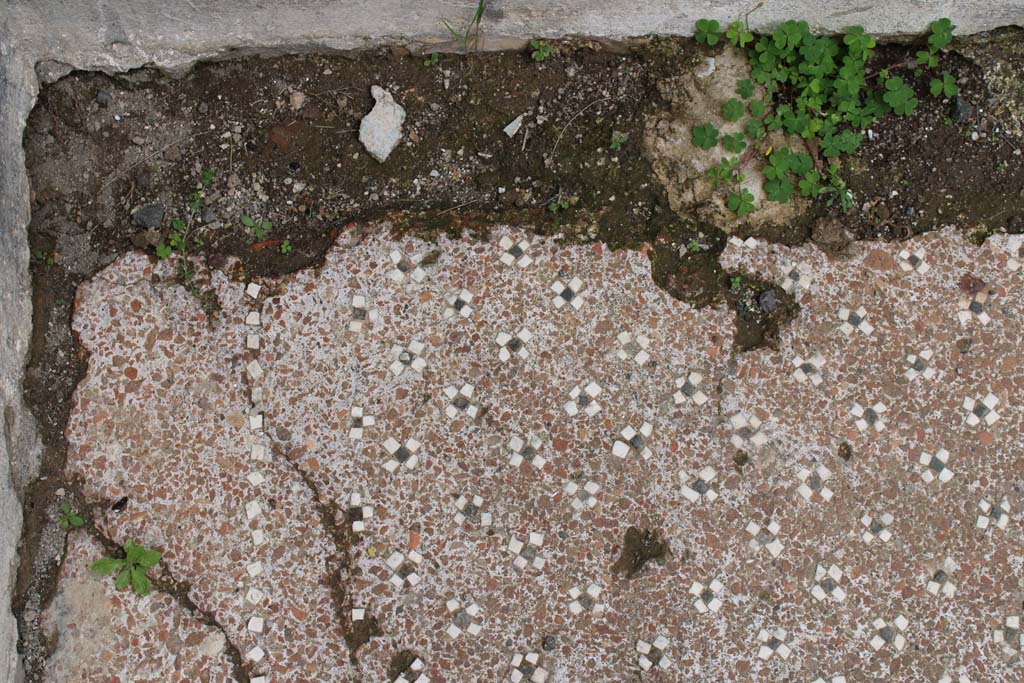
[50,38]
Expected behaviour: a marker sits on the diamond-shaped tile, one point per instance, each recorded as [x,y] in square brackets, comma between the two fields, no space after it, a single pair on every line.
[935,466]
[470,509]
[401,456]
[460,402]
[827,584]
[973,308]
[406,268]
[585,600]
[773,643]
[465,619]
[795,277]
[414,673]
[876,528]
[510,345]
[700,488]
[633,348]
[582,494]
[919,365]
[913,261]
[809,370]
[1009,636]
[360,422]
[706,597]
[982,410]
[765,537]
[746,431]
[404,568]
[408,357]
[653,654]
[515,252]
[526,450]
[568,293]
[527,553]
[689,389]
[358,513]
[583,398]
[941,581]
[634,441]
[361,314]
[889,634]
[813,483]
[459,304]
[993,515]
[869,417]
[855,320]
[526,667]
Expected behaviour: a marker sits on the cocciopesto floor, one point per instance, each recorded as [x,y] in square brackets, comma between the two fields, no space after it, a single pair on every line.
[492,420]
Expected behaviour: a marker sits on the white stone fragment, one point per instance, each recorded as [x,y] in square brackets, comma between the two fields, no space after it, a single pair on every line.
[256,654]
[253,510]
[252,290]
[381,129]
[513,127]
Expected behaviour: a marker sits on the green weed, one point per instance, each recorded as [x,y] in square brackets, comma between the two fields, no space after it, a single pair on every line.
[618,140]
[815,87]
[69,519]
[469,38]
[540,50]
[257,229]
[131,569]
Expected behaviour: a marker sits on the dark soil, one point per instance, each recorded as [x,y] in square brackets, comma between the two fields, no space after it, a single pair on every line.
[639,547]
[927,170]
[100,148]
[400,663]
[359,634]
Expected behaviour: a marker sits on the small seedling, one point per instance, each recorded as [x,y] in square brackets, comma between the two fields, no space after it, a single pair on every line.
[163,251]
[540,50]
[735,282]
[69,519]
[286,247]
[432,59]
[693,246]
[618,140]
[131,570]
[726,173]
[258,229]
[42,257]
[558,205]
[946,86]
[207,178]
